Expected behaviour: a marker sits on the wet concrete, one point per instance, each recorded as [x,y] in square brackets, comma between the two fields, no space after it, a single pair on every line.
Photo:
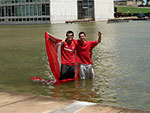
[28,103]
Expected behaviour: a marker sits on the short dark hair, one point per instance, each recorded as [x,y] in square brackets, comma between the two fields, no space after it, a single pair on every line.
[69,32]
[82,33]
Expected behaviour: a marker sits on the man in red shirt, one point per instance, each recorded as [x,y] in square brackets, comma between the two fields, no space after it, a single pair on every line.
[67,56]
[84,55]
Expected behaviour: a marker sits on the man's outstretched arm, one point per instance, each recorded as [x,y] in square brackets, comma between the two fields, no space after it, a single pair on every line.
[53,40]
[99,36]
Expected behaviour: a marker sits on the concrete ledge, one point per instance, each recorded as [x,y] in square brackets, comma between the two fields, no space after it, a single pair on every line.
[80,21]
[126,19]
[28,103]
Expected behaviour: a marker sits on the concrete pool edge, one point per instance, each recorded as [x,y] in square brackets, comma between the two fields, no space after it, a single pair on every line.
[29,103]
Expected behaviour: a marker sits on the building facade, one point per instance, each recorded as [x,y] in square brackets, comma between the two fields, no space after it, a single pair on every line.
[53,11]
[24,11]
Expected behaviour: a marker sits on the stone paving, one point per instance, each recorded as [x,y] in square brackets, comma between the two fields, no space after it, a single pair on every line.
[28,103]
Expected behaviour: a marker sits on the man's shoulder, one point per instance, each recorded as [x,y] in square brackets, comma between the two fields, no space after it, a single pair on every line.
[67,44]
[92,41]
[75,41]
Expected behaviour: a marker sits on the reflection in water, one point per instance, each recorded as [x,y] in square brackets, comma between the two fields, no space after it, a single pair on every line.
[76,90]
[121,63]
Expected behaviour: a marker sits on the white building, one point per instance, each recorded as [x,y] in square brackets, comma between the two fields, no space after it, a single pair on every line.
[63,10]
[53,11]
[103,9]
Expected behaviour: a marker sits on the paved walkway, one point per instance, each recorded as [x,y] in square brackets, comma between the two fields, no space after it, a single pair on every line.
[27,103]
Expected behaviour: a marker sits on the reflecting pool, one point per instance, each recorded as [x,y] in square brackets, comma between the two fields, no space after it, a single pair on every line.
[121,63]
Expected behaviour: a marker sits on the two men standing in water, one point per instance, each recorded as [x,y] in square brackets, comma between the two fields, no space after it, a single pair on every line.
[79,51]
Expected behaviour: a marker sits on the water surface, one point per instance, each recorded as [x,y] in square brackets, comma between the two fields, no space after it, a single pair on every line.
[121,63]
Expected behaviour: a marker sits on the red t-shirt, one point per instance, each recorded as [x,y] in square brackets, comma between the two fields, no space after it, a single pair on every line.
[68,53]
[84,51]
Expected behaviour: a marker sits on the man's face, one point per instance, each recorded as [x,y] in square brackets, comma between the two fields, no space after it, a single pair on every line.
[69,36]
[82,37]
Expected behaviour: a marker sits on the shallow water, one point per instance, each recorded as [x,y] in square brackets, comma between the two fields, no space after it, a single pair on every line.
[121,63]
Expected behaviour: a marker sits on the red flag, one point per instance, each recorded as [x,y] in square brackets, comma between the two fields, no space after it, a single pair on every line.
[54,58]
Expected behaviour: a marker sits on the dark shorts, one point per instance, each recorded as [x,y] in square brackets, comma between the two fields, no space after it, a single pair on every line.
[67,71]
